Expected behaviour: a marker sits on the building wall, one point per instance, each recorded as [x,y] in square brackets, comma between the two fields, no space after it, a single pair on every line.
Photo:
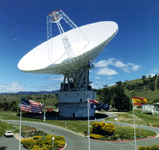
[75,110]
[76,96]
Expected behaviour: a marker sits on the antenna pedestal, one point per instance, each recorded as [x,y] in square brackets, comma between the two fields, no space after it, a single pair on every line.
[74,94]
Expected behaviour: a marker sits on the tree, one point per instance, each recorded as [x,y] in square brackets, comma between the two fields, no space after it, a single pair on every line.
[1,106]
[3,126]
[143,77]
[119,83]
[105,86]
[5,106]
[106,96]
[121,101]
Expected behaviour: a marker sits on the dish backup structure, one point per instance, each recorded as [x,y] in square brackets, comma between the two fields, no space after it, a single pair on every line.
[70,53]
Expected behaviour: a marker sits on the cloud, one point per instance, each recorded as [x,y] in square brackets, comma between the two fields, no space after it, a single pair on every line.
[106,71]
[119,64]
[105,63]
[110,78]
[97,86]
[12,87]
[152,75]
[116,63]
[97,77]
[111,84]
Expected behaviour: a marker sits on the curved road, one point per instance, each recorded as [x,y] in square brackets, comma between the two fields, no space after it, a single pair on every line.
[75,141]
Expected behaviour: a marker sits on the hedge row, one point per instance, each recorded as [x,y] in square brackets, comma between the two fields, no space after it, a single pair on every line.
[152,147]
[43,142]
[103,128]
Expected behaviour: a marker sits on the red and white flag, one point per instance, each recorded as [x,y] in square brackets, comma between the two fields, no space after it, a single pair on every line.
[31,106]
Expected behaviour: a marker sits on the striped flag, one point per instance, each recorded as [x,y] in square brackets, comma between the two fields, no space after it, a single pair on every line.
[139,100]
[31,106]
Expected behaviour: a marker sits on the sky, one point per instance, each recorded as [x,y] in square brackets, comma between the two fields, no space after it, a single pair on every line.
[132,53]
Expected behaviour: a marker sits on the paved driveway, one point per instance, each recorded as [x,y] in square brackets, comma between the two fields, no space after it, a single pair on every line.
[9,143]
[77,142]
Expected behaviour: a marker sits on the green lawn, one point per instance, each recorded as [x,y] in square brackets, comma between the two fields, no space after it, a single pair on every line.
[143,119]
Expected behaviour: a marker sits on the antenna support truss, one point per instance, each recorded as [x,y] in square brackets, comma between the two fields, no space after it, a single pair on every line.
[56,17]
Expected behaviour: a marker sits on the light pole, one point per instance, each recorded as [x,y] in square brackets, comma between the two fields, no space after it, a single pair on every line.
[44,115]
[53,137]
[88,126]
[134,124]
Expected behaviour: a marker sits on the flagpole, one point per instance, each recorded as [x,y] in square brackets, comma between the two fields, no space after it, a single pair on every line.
[134,124]
[20,131]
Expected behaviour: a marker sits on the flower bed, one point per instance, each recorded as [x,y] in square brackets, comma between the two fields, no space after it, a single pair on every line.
[104,131]
[43,142]
[28,132]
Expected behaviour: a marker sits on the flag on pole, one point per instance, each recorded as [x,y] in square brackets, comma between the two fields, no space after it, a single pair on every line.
[139,100]
[31,106]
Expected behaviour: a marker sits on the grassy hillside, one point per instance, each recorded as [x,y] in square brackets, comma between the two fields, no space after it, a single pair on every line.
[138,87]
[47,99]
[141,88]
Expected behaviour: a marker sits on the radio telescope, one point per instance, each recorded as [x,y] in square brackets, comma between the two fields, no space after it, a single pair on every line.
[71,53]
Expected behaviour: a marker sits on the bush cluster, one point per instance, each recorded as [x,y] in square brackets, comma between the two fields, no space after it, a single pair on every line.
[103,128]
[152,147]
[96,136]
[43,142]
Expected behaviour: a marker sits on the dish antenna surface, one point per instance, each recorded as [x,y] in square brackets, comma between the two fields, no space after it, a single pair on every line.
[69,50]
[71,53]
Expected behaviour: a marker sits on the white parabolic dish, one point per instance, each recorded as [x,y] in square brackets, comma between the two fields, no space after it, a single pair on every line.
[37,61]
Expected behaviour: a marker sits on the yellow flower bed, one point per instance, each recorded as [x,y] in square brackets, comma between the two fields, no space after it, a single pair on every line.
[103,128]
[42,143]
[96,136]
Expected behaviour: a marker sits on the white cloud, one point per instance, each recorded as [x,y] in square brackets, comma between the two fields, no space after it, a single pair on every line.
[119,64]
[110,78]
[152,75]
[97,86]
[97,77]
[106,71]
[12,87]
[135,67]
[111,84]
[112,61]
[105,63]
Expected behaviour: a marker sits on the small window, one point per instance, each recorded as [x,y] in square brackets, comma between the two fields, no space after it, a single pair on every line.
[80,99]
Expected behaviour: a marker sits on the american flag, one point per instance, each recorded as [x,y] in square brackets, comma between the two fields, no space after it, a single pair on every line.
[31,106]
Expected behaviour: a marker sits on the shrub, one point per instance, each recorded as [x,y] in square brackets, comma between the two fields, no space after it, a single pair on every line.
[36,147]
[37,137]
[28,143]
[96,136]
[152,147]
[103,128]
[43,143]
[59,144]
